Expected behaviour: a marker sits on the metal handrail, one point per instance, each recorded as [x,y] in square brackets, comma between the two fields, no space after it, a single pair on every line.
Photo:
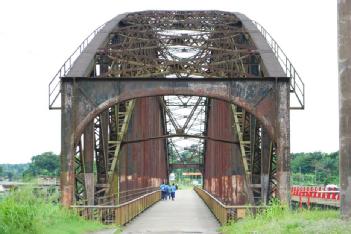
[118,214]
[54,85]
[125,195]
[225,213]
[297,86]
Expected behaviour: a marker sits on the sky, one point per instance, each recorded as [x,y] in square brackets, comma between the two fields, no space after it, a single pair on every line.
[37,36]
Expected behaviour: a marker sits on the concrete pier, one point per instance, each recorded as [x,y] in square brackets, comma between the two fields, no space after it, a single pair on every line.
[344,60]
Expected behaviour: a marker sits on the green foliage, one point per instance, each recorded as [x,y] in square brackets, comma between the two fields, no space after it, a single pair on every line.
[315,168]
[45,164]
[25,212]
[278,219]
[189,154]
[13,171]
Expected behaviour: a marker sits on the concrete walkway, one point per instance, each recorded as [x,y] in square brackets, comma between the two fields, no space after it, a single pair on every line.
[104,231]
[187,214]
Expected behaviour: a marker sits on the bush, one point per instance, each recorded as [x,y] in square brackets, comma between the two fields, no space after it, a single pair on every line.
[22,211]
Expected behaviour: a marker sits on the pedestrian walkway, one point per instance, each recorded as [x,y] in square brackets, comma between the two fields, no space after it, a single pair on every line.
[187,214]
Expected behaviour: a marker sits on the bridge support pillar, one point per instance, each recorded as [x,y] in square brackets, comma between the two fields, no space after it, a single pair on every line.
[89,163]
[265,165]
[344,49]
[283,142]
[67,130]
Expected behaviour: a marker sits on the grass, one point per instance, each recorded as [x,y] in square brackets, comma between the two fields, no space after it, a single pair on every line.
[24,212]
[277,219]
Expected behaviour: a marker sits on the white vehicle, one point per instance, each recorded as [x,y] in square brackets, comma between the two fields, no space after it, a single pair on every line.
[331,187]
[172,177]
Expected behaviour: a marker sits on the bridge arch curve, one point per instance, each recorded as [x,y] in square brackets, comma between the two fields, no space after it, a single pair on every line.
[238,101]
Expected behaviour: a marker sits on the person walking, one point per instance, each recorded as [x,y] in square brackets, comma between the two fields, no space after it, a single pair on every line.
[173,190]
[167,191]
[163,191]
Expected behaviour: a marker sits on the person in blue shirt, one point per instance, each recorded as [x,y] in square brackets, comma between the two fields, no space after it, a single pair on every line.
[167,191]
[173,190]
[163,191]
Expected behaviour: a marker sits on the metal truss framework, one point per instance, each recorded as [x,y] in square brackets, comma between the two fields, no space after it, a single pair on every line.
[250,132]
[179,44]
[162,46]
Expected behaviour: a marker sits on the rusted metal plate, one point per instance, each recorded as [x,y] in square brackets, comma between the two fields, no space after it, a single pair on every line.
[143,164]
[224,175]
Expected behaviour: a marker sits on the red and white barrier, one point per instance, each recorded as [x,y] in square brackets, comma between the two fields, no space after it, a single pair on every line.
[314,192]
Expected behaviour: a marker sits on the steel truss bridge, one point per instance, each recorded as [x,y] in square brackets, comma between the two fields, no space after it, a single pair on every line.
[151,92]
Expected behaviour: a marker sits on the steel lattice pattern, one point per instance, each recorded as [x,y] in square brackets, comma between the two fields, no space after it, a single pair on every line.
[179,44]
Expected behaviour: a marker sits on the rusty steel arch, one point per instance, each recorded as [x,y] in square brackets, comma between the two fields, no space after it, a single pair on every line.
[86,119]
[266,120]
[222,56]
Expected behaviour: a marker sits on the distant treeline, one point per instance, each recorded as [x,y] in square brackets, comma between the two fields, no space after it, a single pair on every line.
[13,171]
[45,164]
[315,168]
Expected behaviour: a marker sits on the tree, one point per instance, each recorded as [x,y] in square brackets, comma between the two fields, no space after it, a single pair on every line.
[315,167]
[45,164]
[9,175]
[1,171]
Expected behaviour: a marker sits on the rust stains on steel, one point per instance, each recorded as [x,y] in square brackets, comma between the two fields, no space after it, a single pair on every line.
[207,60]
[143,165]
[224,174]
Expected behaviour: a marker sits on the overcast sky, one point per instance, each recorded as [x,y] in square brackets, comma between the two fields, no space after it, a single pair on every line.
[37,36]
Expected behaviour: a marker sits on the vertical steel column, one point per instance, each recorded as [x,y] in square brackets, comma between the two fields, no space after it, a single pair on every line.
[104,133]
[265,165]
[241,192]
[67,158]
[344,54]
[283,141]
[89,162]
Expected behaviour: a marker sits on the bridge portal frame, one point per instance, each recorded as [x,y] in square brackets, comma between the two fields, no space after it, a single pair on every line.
[84,98]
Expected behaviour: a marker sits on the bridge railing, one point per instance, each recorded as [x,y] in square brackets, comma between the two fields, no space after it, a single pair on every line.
[297,86]
[225,213]
[54,85]
[124,196]
[118,214]
[317,195]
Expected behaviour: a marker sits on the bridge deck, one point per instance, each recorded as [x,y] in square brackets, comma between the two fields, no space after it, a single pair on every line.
[187,214]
